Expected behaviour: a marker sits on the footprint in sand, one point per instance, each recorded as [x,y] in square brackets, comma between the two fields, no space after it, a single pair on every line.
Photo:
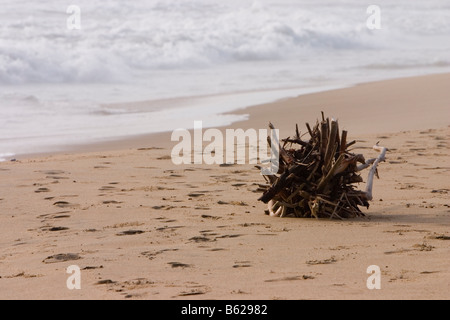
[226,165]
[168,228]
[179,265]
[163,207]
[202,208]
[205,216]
[65,204]
[441,191]
[326,261]
[209,233]
[61,216]
[193,292]
[92,267]
[107,188]
[238,184]
[242,264]
[294,278]
[111,202]
[195,195]
[201,239]
[149,148]
[130,232]
[106,281]
[52,172]
[49,228]
[229,236]
[397,251]
[62,257]
[55,174]
[56,177]
[152,255]
[40,190]
[441,237]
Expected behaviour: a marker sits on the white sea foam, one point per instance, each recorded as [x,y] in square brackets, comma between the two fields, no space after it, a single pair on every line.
[54,81]
[120,40]
[5,156]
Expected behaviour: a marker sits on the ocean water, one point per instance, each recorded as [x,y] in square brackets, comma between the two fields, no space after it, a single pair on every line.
[193,59]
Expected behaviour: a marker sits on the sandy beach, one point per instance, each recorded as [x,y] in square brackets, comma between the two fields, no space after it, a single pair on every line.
[140,227]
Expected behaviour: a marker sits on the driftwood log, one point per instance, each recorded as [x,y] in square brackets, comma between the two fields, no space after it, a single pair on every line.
[317,178]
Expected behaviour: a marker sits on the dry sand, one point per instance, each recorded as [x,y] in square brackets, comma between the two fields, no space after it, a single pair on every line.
[141,228]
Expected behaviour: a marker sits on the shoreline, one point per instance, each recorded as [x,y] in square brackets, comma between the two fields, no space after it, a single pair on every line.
[311,105]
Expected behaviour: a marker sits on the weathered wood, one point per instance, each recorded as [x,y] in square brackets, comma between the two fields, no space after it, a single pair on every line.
[297,141]
[309,130]
[281,182]
[373,170]
[343,142]
[316,180]
[331,146]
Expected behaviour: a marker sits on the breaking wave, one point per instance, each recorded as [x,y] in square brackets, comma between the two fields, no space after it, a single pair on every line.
[118,41]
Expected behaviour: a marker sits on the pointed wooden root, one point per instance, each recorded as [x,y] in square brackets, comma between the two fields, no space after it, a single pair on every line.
[274,210]
[373,170]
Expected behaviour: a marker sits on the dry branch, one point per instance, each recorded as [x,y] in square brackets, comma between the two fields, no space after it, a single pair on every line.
[317,177]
